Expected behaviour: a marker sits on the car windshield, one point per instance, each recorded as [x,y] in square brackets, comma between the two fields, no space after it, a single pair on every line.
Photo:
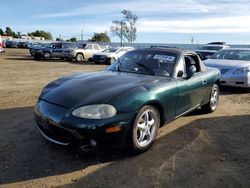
[81,45]
[50,45]
[149,62]
[110,50]
[243,55]
[69,45]
[217,48]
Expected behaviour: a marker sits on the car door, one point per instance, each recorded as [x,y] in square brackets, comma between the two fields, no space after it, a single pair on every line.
[57,51]
[191,91]
[88,51]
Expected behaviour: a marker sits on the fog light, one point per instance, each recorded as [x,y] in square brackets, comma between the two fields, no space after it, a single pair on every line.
[116,128]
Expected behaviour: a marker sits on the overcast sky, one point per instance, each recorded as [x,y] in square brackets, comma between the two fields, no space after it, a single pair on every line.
[165,21]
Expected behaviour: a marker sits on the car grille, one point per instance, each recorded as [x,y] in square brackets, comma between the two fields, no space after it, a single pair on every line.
[53,131]
[99,58]
[224,71]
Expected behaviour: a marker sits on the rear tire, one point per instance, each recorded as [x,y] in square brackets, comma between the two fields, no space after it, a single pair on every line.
[211,106]
[145,129]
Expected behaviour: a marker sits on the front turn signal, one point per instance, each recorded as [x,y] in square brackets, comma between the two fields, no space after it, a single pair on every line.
[114,129]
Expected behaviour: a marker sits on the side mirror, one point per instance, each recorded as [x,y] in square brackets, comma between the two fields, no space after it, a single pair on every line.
[191,71]
[180,74]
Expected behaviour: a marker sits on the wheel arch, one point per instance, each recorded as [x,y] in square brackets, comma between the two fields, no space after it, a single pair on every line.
[160,109]
[80,53]
[217,81]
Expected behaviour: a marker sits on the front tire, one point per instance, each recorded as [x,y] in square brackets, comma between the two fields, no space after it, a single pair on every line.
[145,129]
[47,55]
[211,106]
[79,58]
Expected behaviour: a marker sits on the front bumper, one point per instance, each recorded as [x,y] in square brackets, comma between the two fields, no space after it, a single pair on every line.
[101,59]
[37,53]
[236,80]
[57,125]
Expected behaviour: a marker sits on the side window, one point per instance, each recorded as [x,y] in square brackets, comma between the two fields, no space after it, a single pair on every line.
[96,47]
[89,47]
[59,46]
[191,60]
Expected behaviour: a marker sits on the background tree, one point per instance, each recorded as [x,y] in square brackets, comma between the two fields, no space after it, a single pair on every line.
[41,33]
[131,20]
[19,35]
[119,29]
[125,29]
[1,32]
[9,32]
[100,37]
[73,39]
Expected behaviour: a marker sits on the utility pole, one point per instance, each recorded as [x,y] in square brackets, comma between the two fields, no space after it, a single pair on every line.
[121,31]
[82,35]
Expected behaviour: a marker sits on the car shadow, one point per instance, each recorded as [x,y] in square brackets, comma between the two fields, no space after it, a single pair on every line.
[208,152]
[26,155]
[82,63]
[227,90]
[20,58]
[32,59]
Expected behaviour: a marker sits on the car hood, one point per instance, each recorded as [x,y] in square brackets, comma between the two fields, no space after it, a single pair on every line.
[92,88]
[224,63]
[208,51]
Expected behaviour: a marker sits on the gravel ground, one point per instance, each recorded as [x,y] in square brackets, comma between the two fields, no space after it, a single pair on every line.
[198,150]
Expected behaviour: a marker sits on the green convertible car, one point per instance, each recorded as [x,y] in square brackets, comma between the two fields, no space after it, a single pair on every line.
[126,104]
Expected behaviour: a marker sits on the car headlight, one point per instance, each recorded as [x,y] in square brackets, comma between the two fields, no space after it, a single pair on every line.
[96,111]
[242,70]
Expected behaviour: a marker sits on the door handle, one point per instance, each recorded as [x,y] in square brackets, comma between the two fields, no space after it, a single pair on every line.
[204,82]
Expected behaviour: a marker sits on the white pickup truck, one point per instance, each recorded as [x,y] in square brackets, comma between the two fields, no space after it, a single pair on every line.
[84,51]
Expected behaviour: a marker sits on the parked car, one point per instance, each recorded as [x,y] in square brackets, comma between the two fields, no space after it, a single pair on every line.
[234,65]
[22,44]
[110,55]
[84,51]
[209,49]
[52,50]
[8,43]
[37,47]
[1,44]
[126,104]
